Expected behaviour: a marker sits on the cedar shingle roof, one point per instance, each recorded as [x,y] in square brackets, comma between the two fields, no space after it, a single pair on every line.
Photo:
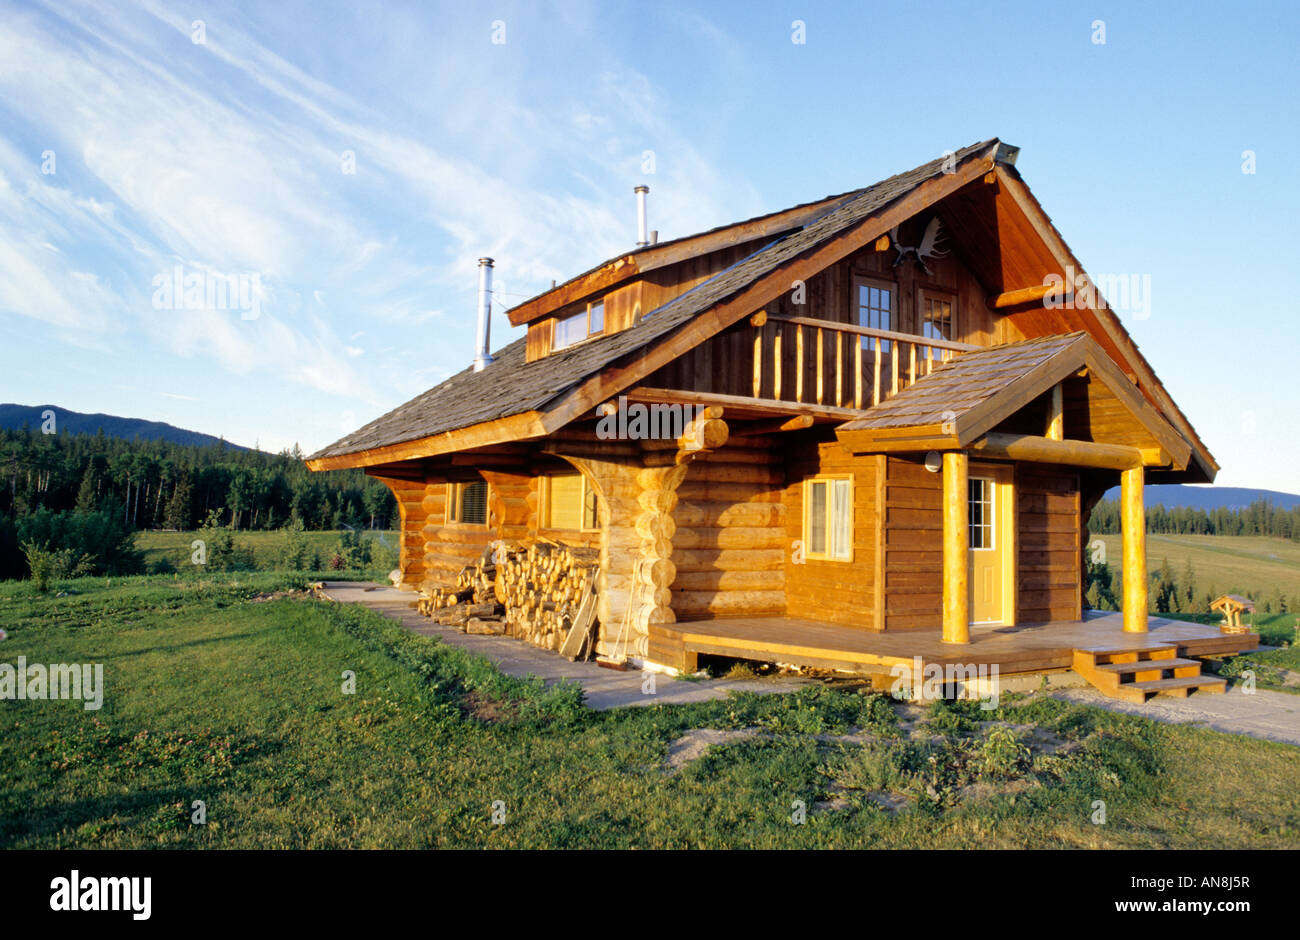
[511,386]
[963,384]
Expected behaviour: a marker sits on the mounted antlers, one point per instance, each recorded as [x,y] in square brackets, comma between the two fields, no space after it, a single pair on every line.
[927,248]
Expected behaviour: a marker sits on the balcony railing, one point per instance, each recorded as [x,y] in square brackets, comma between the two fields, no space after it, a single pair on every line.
[826,362]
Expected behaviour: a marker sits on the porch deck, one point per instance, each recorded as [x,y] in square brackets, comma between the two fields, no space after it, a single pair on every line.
[1032,648]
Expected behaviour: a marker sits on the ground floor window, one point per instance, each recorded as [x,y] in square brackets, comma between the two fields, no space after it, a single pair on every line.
[568,502]
[467,503]
[828,518]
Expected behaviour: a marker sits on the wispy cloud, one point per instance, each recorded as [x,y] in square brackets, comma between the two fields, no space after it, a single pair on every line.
[232,158]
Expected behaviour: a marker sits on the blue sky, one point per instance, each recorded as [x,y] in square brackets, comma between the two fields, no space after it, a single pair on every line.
[226,157]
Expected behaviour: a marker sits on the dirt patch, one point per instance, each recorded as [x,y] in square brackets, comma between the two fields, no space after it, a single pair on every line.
[891,802]
[273,596]
[909,717]
[836,802]
[1039,740]
[695,743]
[487,710]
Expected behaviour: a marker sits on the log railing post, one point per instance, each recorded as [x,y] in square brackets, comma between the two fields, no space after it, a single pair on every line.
[1133,525]
[956,548]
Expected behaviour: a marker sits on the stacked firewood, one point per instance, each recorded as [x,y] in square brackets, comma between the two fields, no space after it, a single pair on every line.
[532,592]
[471,603]
[543,588]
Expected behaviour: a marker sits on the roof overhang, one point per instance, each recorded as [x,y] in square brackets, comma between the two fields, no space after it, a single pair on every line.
[960,405]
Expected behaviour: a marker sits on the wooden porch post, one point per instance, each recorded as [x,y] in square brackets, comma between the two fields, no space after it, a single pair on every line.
[956,548]
[1133,524]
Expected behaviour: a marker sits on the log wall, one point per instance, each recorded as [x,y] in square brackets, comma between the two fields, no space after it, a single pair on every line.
[836,591]
[1048,524]
[410,508]
[729,545]
[912,543]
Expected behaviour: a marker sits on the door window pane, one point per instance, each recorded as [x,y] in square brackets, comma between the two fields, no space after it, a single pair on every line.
[981,513]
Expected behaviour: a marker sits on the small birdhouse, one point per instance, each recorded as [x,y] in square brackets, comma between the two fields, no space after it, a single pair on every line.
[1232,606]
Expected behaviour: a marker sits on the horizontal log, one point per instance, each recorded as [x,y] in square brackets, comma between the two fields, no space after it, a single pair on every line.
[687,603]
[743,537]
[1025,295]
[706,471]
[1045,450]
[728,492]
[729,581]
[695,513]
[728,560]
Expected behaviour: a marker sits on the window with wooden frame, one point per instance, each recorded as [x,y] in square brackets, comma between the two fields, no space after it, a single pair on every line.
[577,326]
[467,503]
[875,305]
[568,501]
[937,310]
[828,518]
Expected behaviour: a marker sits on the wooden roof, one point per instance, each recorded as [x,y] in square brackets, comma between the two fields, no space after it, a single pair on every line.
[510,386]
[634,264]
[1228,601]
[970,395]
[513,399]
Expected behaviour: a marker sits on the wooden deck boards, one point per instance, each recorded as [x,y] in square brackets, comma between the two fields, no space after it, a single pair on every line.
[1025,649]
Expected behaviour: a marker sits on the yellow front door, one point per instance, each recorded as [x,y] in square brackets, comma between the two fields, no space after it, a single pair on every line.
[987,544]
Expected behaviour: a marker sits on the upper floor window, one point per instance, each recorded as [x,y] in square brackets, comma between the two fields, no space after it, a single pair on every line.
[938,314]
[467,503]
[875,302]
[828,518]
[568,502]
[576,327]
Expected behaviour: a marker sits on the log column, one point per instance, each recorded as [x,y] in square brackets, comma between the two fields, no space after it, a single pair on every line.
[430,527]
[1133,525]
[956,548]
[654,570]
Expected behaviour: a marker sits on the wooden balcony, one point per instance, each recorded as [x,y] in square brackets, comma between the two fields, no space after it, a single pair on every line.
[806,360]
[804,369]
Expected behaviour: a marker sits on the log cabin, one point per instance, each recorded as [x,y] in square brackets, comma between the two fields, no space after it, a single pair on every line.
[893,412]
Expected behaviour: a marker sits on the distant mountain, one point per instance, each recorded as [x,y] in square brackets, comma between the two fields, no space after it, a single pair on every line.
[1209,498]
[76,422]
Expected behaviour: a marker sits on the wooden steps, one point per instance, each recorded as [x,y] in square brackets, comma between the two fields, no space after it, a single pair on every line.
[1136,674]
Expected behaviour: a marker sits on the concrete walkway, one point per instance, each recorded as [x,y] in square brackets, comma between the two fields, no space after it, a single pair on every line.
[1274,716]
[604,688]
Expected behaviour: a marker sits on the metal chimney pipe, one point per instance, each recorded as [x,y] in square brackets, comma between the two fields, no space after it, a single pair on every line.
[642,235]
[484,358]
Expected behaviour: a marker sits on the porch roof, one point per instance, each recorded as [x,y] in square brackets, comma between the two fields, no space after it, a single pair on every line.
[971,394]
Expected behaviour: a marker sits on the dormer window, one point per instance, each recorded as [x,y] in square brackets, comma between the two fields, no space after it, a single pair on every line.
[578,326]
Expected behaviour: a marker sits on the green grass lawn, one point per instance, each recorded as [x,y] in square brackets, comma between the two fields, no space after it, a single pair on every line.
[216,692]
[267,546]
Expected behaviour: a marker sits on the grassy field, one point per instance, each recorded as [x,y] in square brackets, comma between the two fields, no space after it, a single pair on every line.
[1251,565]
[267,546]
[224,690]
